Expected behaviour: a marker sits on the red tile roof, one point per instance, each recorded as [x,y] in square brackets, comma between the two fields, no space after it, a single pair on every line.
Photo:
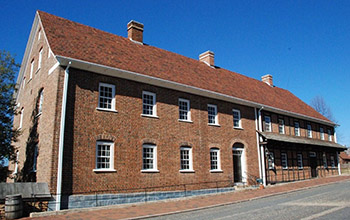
[78,41]
[344,156]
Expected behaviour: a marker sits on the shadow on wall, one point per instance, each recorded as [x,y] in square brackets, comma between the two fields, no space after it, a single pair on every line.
[28,171]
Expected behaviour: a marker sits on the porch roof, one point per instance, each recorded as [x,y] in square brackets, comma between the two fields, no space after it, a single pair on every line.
[300,140]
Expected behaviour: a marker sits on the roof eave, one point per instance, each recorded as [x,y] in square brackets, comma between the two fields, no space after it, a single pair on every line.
[125,74]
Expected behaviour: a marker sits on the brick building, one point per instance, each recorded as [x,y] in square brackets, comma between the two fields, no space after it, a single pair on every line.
[104,113]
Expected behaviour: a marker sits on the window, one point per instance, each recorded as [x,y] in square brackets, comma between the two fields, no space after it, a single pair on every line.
[271,161]
[186,159]
[24,82]
[296,129]
[40,57]
[16,164]
[31,69]
[212,115]
[41,100]
[149,104]
[329,135]
[284,160]
[237,119]
[268,124]
[215,164]
[39,34]
[325,165]
[322,133]
[104,156]
[332,162]
[35,158]
[106,98]
[309,131]
[281,126]
[184,110]
[300,161]
[21,119]
[149,157]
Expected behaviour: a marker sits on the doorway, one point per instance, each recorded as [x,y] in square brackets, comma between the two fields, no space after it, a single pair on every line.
[313,164]
[238,163]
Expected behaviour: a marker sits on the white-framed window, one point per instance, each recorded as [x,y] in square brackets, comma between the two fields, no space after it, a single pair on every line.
[24,82]
[332,162]
[39,34]
[329,135]
[40,58]
[184,110]
[284,161]
[237,123]
[325,165]
[281,126]
[268,126]
[213,115]
[21,119]
[296,129]
[31,69]
[106,98]
[186,163]
[322,133]
[309,131]
[300,161]
[16,163]
[35,157]
[149,157]
[271,161]
[41,100]
[215,161]
[149,104]
[104,156]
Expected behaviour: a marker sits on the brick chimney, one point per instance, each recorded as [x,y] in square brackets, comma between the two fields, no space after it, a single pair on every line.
[135,31]
[207,57]
[267,79]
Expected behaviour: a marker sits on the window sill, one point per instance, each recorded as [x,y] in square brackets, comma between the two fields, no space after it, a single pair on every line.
[104,170]
[187,121]
[106,110]
[186,171]
[38,114]
[216,171]
[150,116]
[37,70]
[149,171]
[214,125]
[238,128]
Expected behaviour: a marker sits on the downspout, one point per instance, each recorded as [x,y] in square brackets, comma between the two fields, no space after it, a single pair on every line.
[257,141]
[61,141]
[339,169]
[261,151]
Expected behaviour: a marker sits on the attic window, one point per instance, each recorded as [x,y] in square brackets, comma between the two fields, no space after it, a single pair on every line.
[39,34]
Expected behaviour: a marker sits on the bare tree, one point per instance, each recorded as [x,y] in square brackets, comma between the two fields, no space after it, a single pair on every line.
[320,105]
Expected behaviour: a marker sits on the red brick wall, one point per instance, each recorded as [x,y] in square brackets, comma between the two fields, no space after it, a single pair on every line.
[289,126]
[130,130]
[48,122]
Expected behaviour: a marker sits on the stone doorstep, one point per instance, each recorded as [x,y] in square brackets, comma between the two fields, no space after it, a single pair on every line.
[62,212]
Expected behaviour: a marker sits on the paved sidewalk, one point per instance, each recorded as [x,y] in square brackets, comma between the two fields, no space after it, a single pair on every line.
[142,210]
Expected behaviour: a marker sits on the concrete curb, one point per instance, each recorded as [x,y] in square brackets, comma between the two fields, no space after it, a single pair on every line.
[235,202]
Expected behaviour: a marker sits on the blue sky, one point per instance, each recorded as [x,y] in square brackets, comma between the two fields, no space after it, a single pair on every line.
[305,45]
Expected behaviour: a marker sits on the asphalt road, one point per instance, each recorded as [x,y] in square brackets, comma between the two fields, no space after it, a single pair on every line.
[326,202]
